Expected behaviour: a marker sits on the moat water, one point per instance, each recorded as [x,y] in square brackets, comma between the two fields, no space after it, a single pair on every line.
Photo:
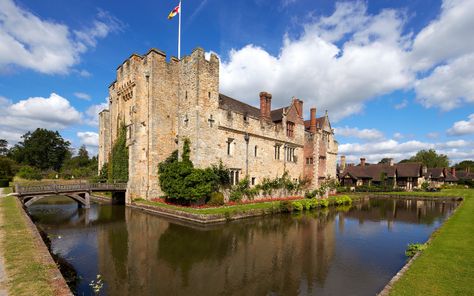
[346,251]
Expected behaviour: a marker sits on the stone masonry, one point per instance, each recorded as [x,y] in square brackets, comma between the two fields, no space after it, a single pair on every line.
[161,103]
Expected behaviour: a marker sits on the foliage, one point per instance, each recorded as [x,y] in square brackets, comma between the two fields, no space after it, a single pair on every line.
[102,176]
[80,166]
[297,206]
[413,249]
[463,165]
[7,168]
[222,174]
[4,183]
[374,188]
[342,189]
[43,149]
[217,199]
[343,200]
[184,183]
[324,188]
[431,159]
[385,161]
[3,147]
[286,206]
[118,165]
[324,203]
[425,185]
[29,173]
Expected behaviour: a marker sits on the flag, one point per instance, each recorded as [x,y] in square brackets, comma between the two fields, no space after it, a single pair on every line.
[174,12]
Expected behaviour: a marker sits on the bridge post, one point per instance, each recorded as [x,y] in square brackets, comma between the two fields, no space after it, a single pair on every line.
[87,199]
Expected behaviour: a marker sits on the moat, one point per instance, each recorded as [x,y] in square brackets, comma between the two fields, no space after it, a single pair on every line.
[345,251]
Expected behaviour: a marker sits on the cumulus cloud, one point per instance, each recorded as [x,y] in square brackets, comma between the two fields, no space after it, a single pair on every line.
[46,46]
[401,105]
[53,112]
[82,96]
[448,86]
[343,60]
[92,113]
[463,127]
[366,134]
[91,140]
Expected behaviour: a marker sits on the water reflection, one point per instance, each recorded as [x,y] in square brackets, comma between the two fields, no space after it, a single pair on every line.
[351,250]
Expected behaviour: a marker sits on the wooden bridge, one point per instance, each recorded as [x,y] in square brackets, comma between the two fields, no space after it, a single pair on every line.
[79,192]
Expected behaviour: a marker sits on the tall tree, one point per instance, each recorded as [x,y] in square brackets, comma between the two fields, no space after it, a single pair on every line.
[3,147]
[431,159]
[465,164]
[43,149]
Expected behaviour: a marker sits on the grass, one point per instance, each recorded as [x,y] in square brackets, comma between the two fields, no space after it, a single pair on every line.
[27,274]
[239,208]
[446,266]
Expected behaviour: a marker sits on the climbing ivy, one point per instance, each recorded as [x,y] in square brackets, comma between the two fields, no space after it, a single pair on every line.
[118,164]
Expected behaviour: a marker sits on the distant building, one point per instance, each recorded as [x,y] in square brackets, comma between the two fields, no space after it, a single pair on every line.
[161,103]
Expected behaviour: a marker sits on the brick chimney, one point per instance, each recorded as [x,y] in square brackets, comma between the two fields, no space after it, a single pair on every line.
[312,120]
[299,106]
[453,171]
[362,161]
[343,163]
[265,105]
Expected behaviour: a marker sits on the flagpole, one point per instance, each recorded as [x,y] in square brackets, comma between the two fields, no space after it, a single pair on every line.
[179,31]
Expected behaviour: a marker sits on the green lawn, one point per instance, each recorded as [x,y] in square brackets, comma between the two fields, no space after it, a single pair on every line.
[239,208]
[27,274]
[446,267]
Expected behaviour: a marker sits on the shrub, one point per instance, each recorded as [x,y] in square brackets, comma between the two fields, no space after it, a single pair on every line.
[4,183]
[342,189]
[306,204]
[310,194]
[286,206]
[343,200]
[297,206]
[413,249]
[29,173]
[314,203]
[217,199]
[324,203]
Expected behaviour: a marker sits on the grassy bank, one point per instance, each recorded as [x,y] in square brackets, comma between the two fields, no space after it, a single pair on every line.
[27,273]
[225,210]
[446,267]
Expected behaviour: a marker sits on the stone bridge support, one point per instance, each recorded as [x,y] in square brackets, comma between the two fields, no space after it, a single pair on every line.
[82,199]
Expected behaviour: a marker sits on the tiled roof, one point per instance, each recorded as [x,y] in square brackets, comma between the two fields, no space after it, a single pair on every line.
[435,173]
[465,175]
[374,171]
[228,103]
[409,169]
[319,122]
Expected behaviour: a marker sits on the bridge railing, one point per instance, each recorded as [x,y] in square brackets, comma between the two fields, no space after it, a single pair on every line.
[58,188]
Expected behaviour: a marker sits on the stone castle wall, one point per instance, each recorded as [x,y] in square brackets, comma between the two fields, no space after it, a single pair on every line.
[161,103]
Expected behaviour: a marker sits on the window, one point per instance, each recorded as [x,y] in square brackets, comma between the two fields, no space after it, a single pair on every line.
[290,154]
[256,151]
[230,148]
[253,181]
[234,176]
[290,126]
[277,151]
[309,160]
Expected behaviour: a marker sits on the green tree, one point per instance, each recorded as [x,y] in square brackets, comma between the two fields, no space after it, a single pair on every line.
[431,159]
[3,147]
[7,168]
[385,161]
[463,165]
[43,149]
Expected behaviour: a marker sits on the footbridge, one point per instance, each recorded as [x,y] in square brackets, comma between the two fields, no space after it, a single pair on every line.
[28,194]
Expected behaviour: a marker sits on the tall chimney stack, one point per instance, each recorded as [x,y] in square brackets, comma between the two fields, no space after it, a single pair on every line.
[362,161]
[299,106]
[312,124]
[343,163]
[265,105]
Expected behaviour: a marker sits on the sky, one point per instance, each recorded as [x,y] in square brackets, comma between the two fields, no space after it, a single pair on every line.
[395,76]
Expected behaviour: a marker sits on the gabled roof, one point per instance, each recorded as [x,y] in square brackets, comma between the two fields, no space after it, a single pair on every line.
[409,169]
[373,171]
[435,173]
[277,114]
[229,103]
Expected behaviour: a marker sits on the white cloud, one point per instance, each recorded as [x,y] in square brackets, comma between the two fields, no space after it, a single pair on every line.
[314,69]
[92,113]
[401,105]
[343,60]
[447,37]
[463,127]
[89,138]
[433,135]
[54,112]
[449,85]
[398,136]
[45,46]
[82,96]
[366,134]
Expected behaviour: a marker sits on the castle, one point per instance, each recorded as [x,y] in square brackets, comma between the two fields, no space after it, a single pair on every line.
[161,103]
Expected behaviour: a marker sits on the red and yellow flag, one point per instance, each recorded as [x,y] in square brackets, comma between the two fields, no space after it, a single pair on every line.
[175,11]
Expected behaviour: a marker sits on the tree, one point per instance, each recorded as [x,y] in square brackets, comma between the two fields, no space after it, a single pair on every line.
[431,159]
[3,147]
[463,165]
[43,149]
[7,168]
[385,160]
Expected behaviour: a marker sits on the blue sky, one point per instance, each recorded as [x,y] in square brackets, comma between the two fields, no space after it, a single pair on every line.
[395,76]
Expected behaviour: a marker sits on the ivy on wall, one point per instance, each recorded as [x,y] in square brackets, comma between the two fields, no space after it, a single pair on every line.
[118,164]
